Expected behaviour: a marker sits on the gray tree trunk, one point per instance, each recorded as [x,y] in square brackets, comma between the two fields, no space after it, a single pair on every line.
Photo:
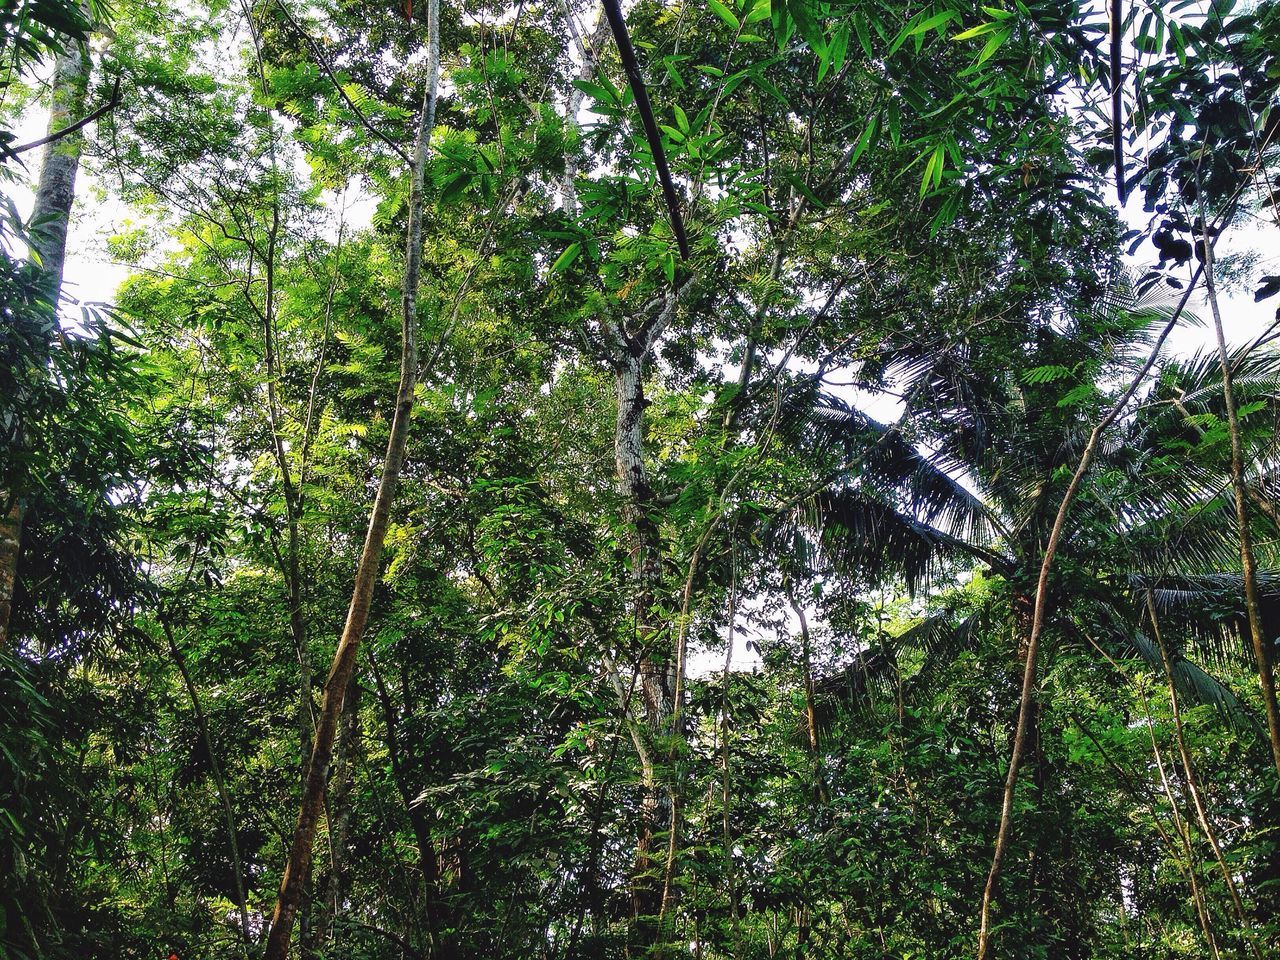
[56,188]
[655,666]
[55,194]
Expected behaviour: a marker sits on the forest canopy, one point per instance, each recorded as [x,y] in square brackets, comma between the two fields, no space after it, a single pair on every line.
[568,479]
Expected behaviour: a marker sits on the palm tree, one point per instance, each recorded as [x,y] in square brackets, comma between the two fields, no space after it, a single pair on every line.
[972,473]
[968,482]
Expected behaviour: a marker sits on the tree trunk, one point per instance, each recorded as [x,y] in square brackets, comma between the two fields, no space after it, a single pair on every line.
[56,189]
[297,871]
[1190,782]
[224,796]
[434,913]
[10,548]
[810,712]
[50,217]
[656,676]
[1261,643]
[329,907]
[1042,599]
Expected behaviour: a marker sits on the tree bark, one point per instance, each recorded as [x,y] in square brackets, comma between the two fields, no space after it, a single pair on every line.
[50,217]
[10,548]
[297,870]
[56,188]
[656,677]
[810,712]
[330,906]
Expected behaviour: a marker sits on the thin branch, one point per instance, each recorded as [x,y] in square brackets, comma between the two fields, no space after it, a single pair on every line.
[323,63]
[1038,616]
[71,128]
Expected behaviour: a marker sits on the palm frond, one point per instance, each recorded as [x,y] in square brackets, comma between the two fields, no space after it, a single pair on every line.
[1208,610]
[872,671]
[861,535]
[1198,378]
[942,638]
[926,485]
[1195,685]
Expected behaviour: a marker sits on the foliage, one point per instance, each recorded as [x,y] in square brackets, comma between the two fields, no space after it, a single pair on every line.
[706,595]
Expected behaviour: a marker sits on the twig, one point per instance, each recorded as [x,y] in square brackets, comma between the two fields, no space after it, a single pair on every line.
[323,63]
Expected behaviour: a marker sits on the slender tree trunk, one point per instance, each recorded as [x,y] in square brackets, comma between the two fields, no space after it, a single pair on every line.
[1261,644]
[224,795]
[587,51]
[1026,710]
[419,822]
[56,188]
[726,776]
[1192,785]
[1184,833]
[330,906]
[810,714]
[656,676]
[50,218]
[291,562]
[297,870]
[10,548]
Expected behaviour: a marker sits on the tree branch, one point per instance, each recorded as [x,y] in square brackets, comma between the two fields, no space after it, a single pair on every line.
[323,64]
[613,10]
[71,128]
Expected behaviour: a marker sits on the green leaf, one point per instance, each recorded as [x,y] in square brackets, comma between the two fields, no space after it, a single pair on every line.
[977,31]
[868,136]
[1078,394]
[937,20]
[602,94]
[932,170]
[762,10]
[993,44]
[839,47]
[566,259]
[1252,407]
[807,24]
[1045,374]
[824,62]
[725,14]
[864,36]
[919,25]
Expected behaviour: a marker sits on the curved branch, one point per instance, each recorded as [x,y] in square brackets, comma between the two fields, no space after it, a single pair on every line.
[1038,615]
[111,104]
[323,63]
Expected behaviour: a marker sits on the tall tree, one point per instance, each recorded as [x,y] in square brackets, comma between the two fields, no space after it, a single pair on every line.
[298,868]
